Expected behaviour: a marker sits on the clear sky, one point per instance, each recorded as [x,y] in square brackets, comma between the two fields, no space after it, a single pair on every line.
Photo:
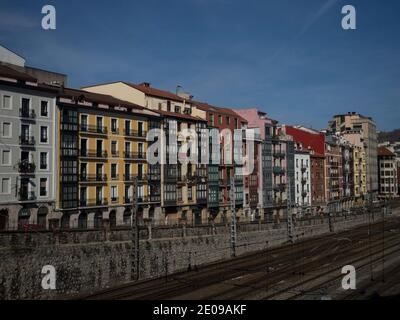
[290,58]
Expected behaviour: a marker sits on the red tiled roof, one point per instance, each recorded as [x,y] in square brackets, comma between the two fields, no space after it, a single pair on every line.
[225,111]
[314,141]
[7,72]
[179,115]
[96,98]
[155,92]
[383,151]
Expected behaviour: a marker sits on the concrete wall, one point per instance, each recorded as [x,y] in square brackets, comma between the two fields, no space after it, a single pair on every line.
[89,260]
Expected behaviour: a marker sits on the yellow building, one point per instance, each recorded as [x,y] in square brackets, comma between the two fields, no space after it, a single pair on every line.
[102,157]
[360,172]
[183,186]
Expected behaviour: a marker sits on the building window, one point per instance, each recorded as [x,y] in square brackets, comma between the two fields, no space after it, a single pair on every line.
[179,193]
[43,160]
[43,135]
[219,119]
[84,122]
[25,103]
[5,185]
[228,121]
[114,125]
[6,130]
[6,157]
[212,119]
[7,102]
[44,111]
[114,148]
[190,194]
[43,187]
[114,193]
[236,124]
[113,170]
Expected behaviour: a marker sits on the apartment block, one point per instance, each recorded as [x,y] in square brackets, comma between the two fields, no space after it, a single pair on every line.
[388,183]
[183,185]
[27,150]
[309,140]
[102,158]
[354,123]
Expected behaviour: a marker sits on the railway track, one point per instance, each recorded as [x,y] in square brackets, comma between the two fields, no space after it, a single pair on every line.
[263,275]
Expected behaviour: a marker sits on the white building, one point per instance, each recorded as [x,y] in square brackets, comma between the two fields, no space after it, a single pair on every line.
[302,178]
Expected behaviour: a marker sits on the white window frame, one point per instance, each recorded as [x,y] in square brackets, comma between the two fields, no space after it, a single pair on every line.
[116,193]
[2,101]
[6,164]
[48,108]
[111,120]
[40,135]
[2,127]
[47,161]
[9,186]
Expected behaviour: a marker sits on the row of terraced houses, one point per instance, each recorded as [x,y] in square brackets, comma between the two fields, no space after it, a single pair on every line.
[76,158]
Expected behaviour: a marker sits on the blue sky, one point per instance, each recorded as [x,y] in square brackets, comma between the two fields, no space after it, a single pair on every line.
[289,58]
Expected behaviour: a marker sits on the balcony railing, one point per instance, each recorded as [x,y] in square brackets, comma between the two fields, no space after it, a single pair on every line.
[93,177]
[26,140]
[93,129]
[135,155]
[26,195]
[279,155]
[26,167]
[129,177]
[93,202]
[93,153]
[27,113]
[135,133]
[278,170]
[303,168]
[115,154]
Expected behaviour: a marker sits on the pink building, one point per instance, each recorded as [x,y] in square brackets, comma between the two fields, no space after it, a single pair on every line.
[276,163]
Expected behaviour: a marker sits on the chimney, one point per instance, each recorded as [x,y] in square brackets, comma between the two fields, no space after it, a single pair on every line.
[145,84]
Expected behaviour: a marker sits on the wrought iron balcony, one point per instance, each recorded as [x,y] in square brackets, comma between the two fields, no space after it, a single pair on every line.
[278,170]
[135,133]
[27,113]
[93,154]
[26,167]
[93,178]
[27,140]
[93,129]
[135,155]
[115,154]
[26,195]
[93,202]
[279,155]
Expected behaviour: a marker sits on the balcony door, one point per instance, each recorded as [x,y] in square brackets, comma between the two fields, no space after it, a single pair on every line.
[83,171]
[25,131]
[24,191]
[83,147]
[84,122]
[25,107]
[140,171]
[140,150]
[99,124]
[99,148]
[83,196]
[24,157]
[127,171]
[140,129]
[99,171]
[99,195]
